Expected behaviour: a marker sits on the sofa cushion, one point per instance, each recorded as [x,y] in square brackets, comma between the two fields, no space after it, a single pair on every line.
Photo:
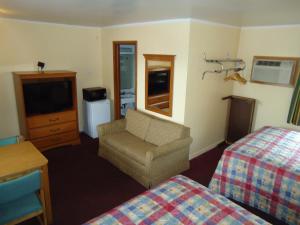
[129,145]
[137,123]
[163,132]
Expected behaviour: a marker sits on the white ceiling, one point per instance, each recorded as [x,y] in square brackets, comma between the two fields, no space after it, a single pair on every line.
[115,12]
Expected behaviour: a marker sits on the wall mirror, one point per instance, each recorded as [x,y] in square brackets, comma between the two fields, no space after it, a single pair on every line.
[280,71]
[159,75]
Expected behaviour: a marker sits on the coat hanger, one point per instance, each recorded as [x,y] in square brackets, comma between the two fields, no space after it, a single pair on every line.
[236,77]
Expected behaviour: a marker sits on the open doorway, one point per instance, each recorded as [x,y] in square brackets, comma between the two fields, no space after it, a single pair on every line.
[125,76]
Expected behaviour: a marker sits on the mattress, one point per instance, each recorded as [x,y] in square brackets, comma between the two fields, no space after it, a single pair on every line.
[180,200]
[263,170]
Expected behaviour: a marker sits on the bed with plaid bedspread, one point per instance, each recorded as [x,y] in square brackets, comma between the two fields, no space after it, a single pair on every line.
[180,200]
[263,170]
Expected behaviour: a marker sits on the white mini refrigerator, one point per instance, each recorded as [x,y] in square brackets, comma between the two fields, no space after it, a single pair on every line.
[95,113]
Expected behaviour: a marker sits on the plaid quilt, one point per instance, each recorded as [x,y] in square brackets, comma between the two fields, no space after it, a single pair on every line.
[178,201]
[263,170]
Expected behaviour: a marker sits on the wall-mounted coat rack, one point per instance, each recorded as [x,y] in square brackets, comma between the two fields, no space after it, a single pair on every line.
[240,65]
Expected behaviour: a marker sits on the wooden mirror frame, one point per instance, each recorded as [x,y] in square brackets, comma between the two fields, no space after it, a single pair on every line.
[293,75]
[163,58]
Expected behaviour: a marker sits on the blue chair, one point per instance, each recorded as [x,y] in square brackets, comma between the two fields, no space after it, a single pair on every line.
[9,141]
[22,199]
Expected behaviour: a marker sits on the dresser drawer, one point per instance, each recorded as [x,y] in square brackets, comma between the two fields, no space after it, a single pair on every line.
[158,99]
[50,119]
[51,130]
[54,139]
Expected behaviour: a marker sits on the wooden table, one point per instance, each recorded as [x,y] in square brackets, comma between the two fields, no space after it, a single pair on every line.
[19,159]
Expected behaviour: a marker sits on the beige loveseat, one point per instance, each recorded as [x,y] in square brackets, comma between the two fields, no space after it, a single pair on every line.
[147,148]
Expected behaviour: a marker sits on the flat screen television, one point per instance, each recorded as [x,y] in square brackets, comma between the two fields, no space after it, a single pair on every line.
[158,82]
[47,96]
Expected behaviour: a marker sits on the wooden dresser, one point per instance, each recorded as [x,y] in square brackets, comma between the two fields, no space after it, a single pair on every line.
[48,130]
[160,101]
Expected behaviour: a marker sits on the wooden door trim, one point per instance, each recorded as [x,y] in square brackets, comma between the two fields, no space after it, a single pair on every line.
[116,66]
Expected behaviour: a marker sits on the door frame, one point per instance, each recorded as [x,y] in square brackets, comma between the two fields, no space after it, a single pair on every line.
[116,64]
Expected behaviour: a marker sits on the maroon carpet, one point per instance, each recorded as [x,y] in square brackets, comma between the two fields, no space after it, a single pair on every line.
[84,185]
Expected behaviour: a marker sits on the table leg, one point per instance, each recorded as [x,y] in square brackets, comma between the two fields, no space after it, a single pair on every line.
[45,180]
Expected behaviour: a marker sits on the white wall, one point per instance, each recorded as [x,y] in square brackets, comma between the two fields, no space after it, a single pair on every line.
[272,101]
[22,44]
[197,103]
[205,112]
[157,38]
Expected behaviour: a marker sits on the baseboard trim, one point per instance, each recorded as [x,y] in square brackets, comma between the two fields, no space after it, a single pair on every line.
[205,149]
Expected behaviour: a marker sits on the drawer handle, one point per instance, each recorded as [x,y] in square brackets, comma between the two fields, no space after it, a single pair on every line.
[55,139]
[54,120]
[55,130]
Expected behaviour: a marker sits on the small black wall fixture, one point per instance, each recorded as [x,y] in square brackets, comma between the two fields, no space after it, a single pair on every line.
[41,66]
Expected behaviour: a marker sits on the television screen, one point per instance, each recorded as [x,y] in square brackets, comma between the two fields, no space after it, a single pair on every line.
[47,96]
[158,82]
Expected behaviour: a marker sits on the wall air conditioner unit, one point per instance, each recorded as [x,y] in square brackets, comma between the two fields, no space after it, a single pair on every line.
[274,70]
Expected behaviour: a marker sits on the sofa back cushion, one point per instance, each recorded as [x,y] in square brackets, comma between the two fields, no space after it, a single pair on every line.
[137,123]
[163,132]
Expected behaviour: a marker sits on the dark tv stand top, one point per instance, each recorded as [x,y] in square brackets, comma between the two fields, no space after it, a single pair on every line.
[44,74]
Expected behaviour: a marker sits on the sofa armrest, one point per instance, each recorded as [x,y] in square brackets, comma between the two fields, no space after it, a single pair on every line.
[171,147]
[112,127]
